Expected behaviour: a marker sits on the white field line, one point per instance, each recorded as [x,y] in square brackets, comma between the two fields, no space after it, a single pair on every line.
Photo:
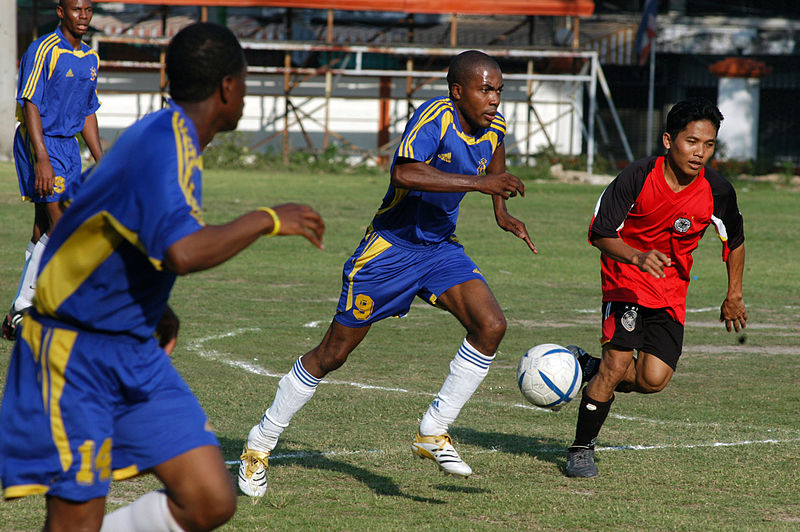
[545,449]
[196,346]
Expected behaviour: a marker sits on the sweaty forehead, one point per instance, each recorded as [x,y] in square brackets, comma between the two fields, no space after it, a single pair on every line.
[486,73]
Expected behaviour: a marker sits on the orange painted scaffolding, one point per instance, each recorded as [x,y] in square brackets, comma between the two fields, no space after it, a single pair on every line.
[588,76]
[585,72]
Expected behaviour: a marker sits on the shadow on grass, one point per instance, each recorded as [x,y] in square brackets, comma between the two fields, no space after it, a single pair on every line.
[545,449]
[460,489]
[313,459]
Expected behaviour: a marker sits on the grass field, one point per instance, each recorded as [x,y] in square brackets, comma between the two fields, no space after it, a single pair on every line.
[719,449]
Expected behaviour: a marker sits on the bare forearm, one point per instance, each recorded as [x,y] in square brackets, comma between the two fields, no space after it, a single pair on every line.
[733,311]
[33,124]
[91,135]
[617,249]
[735,266]
[420,176]
[499,205]
[214,244]
[652,261]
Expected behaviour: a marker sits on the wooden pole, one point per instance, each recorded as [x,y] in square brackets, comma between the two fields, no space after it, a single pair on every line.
[287,63]
[328,86]
[385,95]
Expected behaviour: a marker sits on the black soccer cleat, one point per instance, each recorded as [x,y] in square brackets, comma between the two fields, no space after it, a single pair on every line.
[589,364]
[580,463]
[11,325]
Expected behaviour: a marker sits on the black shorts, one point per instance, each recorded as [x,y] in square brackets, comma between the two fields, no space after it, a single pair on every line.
[654,331]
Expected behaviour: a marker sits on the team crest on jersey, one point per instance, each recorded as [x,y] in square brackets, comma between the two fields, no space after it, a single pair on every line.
[445,157]
[628,320]
[682,225]
[92,73]
[481,170]
[59,185]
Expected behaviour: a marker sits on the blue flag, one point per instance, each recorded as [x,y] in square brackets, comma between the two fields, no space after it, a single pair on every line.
[646,34]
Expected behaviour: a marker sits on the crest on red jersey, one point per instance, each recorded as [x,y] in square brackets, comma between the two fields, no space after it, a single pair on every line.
[682,225]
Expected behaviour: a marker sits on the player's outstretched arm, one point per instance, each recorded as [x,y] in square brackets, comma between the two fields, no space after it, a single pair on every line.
[733,311]
[652,262]
[215,244]
[416,175]
[511,224]
[501,215]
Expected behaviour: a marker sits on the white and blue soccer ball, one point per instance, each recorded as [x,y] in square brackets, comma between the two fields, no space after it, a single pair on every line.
[549,376]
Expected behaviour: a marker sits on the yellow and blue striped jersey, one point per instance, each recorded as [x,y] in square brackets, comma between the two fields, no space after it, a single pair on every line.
[102,267]
[434,136]
[61,82]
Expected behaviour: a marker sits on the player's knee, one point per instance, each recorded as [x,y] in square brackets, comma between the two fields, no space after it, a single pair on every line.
[330,359]
[214,510]
[614,368]
[493,328]
[649,385]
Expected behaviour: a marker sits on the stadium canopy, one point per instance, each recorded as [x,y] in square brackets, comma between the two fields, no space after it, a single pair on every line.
[553,8]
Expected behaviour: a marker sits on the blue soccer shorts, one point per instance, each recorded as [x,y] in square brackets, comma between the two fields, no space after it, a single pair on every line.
[80,408]
[631,326]
[382,277]
[65,157]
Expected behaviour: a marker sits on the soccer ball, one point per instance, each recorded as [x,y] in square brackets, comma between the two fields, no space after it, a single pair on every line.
[549,376]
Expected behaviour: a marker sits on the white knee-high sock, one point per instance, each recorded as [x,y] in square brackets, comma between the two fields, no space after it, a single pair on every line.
[148,513]
[28,253]
[467,371]
[294,390]
[27,286]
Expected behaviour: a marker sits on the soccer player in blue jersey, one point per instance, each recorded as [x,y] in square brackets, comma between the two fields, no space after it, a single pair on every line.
[452,145]
[90,394]
[56,99]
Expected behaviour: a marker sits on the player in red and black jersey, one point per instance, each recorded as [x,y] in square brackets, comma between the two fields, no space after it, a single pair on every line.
[647,223]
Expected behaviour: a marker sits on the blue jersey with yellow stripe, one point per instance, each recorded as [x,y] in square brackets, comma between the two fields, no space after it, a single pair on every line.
[61,82]
[434,136]
[102,268]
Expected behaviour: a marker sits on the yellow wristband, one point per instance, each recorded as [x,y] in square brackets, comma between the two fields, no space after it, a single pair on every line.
[276,222]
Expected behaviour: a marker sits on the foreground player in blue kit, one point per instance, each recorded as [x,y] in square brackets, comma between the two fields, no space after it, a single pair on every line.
[451,146]
[90,394]
[56,99]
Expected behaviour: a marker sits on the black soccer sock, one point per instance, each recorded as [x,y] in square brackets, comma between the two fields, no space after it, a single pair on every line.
[591,416]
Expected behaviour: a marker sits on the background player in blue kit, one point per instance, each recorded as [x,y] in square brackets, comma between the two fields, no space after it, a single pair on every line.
[90,394]
[56,99]
[452,145]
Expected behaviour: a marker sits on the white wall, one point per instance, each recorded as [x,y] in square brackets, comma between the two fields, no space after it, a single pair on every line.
[8,81]
[738,100]
[354,111]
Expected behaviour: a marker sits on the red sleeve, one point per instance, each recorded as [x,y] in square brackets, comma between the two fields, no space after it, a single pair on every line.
[618,198]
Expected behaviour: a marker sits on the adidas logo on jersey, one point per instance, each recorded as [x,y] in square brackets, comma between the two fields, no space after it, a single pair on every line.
[445,157]
[70,74]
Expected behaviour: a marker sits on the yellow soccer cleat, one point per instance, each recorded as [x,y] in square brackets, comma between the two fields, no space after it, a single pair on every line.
[440,450]
[253,472]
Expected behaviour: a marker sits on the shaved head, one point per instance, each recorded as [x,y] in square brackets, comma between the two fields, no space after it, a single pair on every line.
[466,64]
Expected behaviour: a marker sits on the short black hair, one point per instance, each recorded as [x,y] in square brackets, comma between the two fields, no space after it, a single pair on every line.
[199,57]
[464,64]
[691,110]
